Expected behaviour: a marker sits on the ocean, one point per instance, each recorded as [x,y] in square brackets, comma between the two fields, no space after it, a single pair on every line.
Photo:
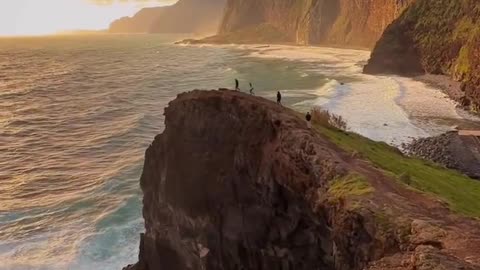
[78,112]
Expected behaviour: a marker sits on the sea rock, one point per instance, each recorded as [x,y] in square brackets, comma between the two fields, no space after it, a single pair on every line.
[231,176]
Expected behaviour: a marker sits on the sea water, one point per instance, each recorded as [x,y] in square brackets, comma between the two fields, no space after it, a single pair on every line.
[78,112]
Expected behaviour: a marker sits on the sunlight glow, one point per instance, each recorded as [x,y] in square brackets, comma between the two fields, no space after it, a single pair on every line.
[40,17]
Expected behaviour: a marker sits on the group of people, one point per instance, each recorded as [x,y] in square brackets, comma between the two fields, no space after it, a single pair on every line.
[237,88]
[308,117]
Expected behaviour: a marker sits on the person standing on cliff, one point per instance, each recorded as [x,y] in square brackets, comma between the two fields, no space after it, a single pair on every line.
[308,117]
[237,85]
[279,98]
[251,89]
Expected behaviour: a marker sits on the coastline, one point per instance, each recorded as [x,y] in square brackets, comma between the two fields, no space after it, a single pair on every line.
[444,113]
[446,84]
[213,41]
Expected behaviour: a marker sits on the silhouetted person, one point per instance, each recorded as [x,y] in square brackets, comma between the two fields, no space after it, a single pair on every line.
[251,89]
[308,117]
[237,85]
[279,98]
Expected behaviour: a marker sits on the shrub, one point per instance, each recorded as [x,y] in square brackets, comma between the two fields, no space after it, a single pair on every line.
[405,178]
[327,119]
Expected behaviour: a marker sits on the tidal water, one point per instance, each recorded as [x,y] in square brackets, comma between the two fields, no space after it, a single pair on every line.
[77,113]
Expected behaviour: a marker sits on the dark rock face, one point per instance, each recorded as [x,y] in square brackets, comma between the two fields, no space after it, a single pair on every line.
[335,22]
[238,182]
[437,37]
[186,16]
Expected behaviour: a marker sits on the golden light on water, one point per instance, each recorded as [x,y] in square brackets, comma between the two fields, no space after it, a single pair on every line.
[41,17]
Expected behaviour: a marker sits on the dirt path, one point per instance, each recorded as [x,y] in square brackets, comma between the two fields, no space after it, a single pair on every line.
[462,234]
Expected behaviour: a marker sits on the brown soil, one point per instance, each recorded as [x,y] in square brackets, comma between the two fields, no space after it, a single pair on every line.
[462,234]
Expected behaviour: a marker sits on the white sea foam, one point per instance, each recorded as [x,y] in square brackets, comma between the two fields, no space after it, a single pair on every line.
[385,108]
[76,120]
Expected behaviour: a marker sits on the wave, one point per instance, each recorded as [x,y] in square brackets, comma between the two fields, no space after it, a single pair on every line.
[73,141]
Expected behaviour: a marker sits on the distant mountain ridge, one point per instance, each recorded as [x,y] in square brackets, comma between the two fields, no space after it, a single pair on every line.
[185,16]
[307,22]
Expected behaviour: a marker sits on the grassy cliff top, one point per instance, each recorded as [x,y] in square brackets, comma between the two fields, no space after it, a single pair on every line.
[461,193]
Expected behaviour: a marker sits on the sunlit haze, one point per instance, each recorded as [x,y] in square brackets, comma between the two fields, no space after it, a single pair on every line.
[39,17]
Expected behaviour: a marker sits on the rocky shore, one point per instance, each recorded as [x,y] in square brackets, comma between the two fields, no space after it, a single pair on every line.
[449,150]
[449,86]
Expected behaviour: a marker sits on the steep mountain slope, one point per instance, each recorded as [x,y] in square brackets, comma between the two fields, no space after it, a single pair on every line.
[186,16]
[239,182]
[439,37]
[336,22]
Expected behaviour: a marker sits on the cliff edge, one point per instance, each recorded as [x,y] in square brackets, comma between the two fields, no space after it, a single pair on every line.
[239,182]
[185,16]
[437,37]
[305,22]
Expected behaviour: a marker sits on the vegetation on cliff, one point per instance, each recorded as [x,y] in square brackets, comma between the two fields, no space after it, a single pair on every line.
[438,37]
[350,185]
[460,192]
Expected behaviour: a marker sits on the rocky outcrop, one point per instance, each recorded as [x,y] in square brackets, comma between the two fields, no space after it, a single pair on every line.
[437,37]
[436,149]
[331,22]
[239,182]
[186,16]
[456,152]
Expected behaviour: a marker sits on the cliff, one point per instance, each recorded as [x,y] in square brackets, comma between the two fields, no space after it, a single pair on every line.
[238,182]
[331,22]
[438,37]
[185,16]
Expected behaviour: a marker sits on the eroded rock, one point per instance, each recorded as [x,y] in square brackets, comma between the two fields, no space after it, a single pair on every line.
[239,182]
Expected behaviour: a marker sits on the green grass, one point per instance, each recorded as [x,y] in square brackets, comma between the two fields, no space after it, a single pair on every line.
[461,193]
[350,185]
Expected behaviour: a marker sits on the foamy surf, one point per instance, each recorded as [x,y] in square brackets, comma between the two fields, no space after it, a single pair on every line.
[73,142]
[384,108]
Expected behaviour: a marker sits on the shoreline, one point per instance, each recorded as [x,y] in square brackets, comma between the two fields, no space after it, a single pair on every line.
[452,88]
[446,84]
[293,44]
[439,83]
[449,91]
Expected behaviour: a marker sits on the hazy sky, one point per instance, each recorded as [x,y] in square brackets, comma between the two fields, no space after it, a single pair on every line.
[36,17]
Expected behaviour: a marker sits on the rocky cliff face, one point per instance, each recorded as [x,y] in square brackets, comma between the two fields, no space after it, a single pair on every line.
[438,37]
[336,22]
[238,182]
[186,16]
